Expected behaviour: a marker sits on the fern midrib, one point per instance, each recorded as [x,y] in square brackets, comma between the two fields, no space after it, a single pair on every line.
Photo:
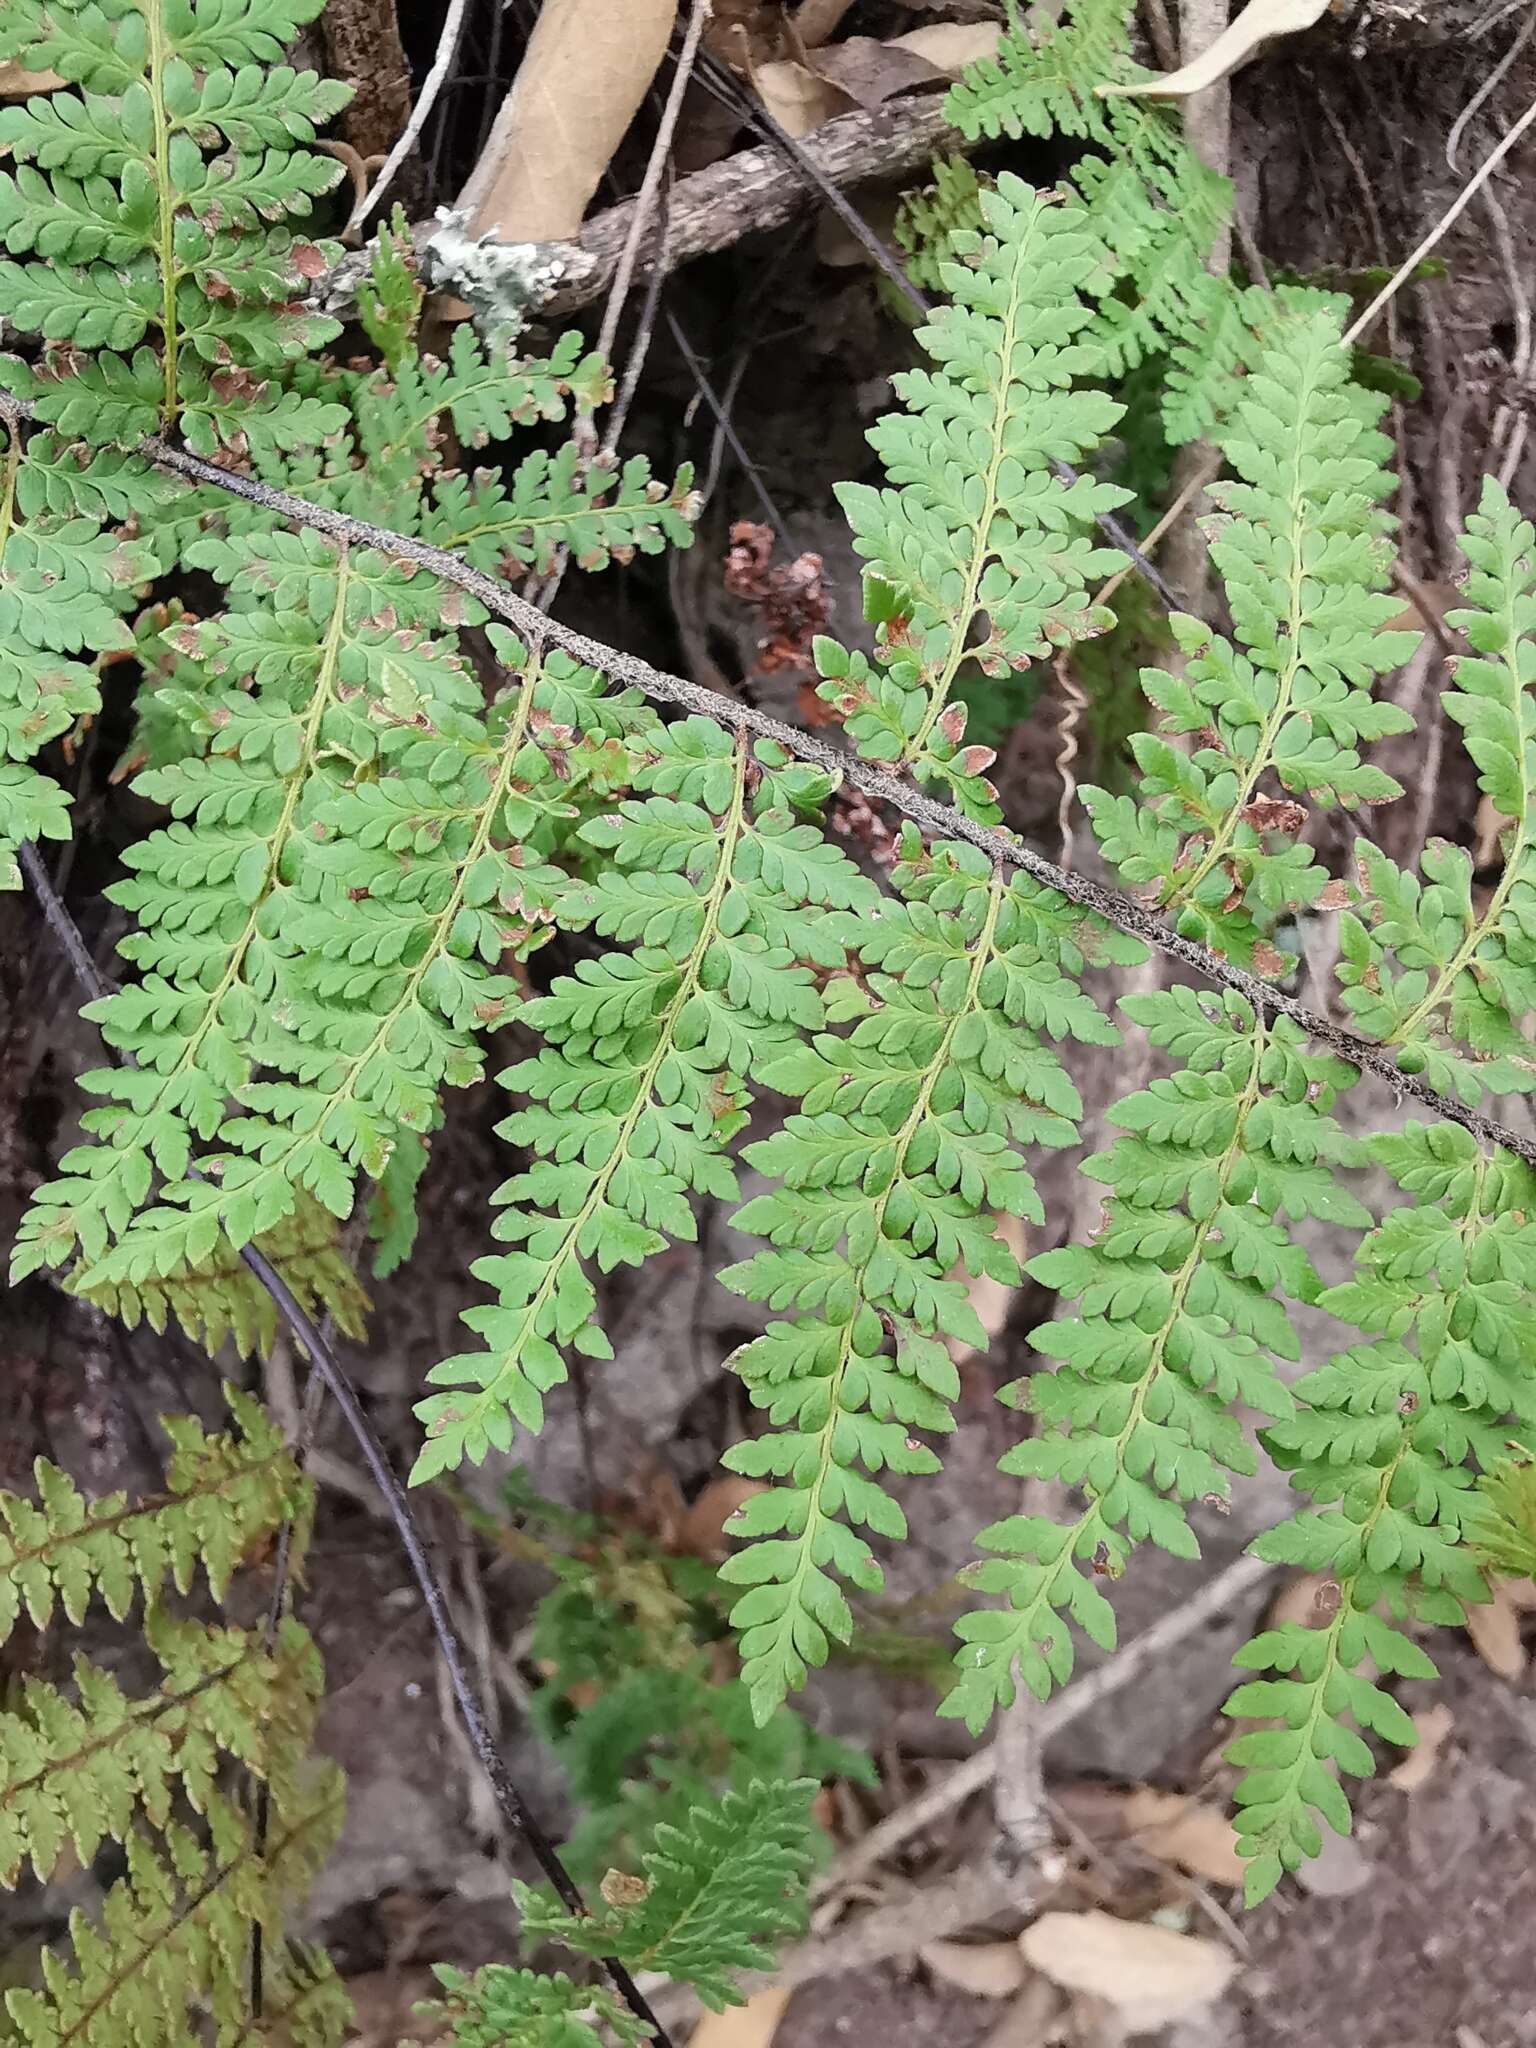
[686,988]
[8,487]
[980,960]
[982,551]
[14,1557]
[143,1712]
[1347,1582]
[1284,690]
[1093,1517]
[269,1852]
[1485,926]
[295,786]
[165,202]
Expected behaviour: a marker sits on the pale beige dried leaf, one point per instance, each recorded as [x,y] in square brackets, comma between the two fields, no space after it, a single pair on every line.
[987,1969]
[1431,1725]
[703,1532]
[743,2026]
[1031,2021]
[1339,1868]
[1520,1593]
[582,80]
[1260,22]
[950,45]
[1183,1831]
[1489,827]
[797,98]
[1150,1975]
[1304,1600]
[814,21]
[16,84]
[1494,1626]
[990,1298]
[870,72]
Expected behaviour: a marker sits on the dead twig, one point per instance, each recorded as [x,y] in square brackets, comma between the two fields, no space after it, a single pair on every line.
[1444,224]
[941,820]
[977,1772]
[432,85]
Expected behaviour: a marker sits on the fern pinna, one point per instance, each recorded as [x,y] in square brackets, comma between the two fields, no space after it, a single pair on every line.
[377,815]
[168,1775]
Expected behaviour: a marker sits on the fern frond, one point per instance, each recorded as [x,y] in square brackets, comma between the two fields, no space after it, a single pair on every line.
[642,1079]
[304,2003]
[224,1495]
[713,1893]
[73,1772]
[1304,556]
[174,1933]
[132,198]
[907,1142]
[1465,975]
[973,524]
[1501,1524]
[1178,1322]
[221,1301]
[1381,1440]
[65,580]
[500,2007]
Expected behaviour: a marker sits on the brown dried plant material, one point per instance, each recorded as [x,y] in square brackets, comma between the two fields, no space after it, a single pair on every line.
[744,2026]
[991,1298]
[1185,1832]
[581,82]
[16,84]
[1260,22]
[1148,1975]
[703,1532]
[1494,1626]
[986,1969]
[1432,1725]
[788,597]
[1311,1599]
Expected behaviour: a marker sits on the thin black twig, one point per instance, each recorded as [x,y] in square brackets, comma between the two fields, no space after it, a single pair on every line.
[324,1362]
[938,819]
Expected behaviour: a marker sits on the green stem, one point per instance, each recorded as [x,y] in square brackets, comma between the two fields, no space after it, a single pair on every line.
[165,193]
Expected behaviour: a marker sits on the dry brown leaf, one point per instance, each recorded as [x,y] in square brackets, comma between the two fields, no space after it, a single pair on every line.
[870,72]
[1490,827]
[583,77]
[382,2007]
[16,84]
[744,2026]
[1260,22]
[1150,1975]
[796,97]
[1030,2022]
[815,21]
[1187,1832]
[703,1533]
[987,1969]
[990,1298]
[1431,1725]
[1310,1599]
[950,45]
[1494,1627]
